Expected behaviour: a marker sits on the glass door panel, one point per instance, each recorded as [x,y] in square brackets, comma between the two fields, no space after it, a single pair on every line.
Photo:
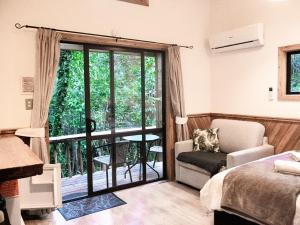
[153,90]
[100,96]
[67,122]
[129,166]
[102,164]
[124,97]
[155,151]
[74,185]
[127,87]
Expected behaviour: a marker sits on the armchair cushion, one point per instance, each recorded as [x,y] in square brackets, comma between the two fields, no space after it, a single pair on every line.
[235,135]
[209,161]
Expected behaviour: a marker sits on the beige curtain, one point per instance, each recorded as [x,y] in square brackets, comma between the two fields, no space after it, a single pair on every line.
[176,92]
[48,51]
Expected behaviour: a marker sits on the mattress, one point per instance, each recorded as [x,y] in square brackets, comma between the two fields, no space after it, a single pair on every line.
[211,194]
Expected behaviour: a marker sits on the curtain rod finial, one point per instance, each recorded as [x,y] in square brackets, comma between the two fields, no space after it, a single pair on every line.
[18,26]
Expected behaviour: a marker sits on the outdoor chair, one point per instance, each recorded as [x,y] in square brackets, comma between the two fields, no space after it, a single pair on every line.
[157,149]
[122,148]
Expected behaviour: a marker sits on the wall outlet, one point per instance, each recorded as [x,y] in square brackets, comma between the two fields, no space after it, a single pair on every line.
[29,104]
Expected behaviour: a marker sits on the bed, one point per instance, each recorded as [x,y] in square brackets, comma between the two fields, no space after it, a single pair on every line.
[211,196]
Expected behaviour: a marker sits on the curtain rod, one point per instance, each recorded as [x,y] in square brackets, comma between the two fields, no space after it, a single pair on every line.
[19,26]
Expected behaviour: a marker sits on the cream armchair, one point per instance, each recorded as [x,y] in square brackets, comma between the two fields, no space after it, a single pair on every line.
[243,142]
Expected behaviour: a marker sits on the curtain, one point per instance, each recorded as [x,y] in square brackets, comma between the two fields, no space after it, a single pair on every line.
[176,92]
[48,51]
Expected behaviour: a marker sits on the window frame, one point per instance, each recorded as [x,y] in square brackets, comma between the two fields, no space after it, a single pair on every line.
[284,76]
[288,73]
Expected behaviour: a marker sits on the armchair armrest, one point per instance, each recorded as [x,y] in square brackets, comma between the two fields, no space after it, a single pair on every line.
[183,146]
[248,155]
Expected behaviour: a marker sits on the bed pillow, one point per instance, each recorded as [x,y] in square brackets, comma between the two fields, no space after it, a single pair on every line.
[206,140]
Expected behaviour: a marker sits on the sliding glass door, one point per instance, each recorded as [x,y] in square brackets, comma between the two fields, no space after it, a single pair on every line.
[124,114]
[124,108]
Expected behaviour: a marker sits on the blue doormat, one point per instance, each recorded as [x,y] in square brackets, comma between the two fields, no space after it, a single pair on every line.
[83,207]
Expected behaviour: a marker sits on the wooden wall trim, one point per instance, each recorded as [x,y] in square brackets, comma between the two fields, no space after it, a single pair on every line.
[248,117]
[198,115]
[260,118]
[7,131]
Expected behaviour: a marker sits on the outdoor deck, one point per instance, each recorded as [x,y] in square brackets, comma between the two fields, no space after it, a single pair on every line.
[77,185]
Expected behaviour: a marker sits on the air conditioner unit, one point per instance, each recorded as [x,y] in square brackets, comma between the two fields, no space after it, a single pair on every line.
[245,37]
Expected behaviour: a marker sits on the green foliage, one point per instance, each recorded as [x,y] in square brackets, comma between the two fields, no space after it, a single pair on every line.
[67,108]
[295,73]
[100,89]
[128,90]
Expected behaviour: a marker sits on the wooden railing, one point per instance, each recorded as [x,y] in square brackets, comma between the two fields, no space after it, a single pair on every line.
[71,147]
[77,159]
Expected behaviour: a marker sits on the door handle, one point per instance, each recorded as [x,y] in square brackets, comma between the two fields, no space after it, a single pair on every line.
[92,124]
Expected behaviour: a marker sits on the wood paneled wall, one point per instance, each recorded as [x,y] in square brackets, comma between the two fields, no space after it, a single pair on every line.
[7,132]
[198,121]
[282,133]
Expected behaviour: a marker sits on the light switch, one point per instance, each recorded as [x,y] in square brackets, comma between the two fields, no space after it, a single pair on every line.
[28,104]
[270,94]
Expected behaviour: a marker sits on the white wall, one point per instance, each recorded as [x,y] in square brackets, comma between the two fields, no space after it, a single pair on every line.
[240,80]
[233,82]
[172,21]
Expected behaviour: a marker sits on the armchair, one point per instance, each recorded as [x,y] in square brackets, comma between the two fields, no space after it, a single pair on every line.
[242,141]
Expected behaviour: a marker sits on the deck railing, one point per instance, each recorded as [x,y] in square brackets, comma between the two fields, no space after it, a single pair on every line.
[70,151]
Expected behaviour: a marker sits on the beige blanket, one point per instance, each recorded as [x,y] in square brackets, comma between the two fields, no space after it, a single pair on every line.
[257,192]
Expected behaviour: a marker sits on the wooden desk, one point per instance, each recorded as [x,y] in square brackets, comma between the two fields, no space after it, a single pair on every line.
[17,160]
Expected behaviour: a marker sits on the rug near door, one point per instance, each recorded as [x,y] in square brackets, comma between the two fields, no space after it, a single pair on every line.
[83,207]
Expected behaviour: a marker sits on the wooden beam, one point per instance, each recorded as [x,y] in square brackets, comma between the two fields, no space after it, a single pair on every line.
[138,2]
[89,39]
